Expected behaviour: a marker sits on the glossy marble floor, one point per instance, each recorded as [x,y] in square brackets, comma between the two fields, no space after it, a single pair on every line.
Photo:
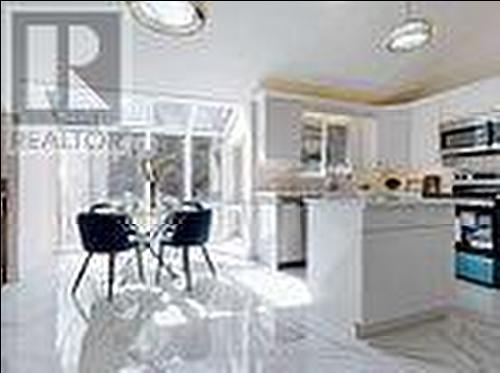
[248,320]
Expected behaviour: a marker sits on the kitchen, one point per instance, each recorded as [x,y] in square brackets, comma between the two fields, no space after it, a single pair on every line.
[306,186]
[433,163]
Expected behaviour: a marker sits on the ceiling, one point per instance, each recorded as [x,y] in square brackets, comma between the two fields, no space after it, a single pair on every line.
[332,44]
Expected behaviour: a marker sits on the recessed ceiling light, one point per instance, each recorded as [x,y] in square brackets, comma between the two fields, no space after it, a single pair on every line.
[176,18]
[412,34]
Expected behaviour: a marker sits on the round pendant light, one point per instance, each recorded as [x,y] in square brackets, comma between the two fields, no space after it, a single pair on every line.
[174,18]
[412,34]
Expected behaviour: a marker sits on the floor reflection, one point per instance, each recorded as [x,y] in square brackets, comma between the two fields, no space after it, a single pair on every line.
[248,320]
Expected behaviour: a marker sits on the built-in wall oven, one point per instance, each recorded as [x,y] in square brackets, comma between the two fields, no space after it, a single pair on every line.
[496,134]
[474,136]
[477,233]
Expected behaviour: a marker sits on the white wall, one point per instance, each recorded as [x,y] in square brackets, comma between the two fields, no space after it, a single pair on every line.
[4,59]
[37,213]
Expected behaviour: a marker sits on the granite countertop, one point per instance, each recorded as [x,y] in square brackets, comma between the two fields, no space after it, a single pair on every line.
[370,199]
[382,201]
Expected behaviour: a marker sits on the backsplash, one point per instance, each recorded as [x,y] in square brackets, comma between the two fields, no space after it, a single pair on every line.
[284,176]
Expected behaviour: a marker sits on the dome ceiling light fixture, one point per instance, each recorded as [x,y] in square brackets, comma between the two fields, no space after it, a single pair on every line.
[172,18]
[414,33]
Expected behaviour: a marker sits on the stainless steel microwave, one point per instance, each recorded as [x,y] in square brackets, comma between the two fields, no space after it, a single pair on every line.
[471,137]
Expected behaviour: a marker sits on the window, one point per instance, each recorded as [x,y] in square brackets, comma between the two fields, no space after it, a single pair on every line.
[124,172]
[169,152]
[183,139]
[336,145]
[312,140]
[206,168]
[324,142]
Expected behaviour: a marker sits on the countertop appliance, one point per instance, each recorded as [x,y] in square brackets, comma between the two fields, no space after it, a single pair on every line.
[475,136]
[431,185]
[477,233]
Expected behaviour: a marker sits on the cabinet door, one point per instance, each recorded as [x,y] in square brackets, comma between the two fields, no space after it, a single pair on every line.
[424,139]
[393,138]
[406,272]
[283,124]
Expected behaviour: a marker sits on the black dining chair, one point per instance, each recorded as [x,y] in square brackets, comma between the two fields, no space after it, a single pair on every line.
[107,233]
[183,229]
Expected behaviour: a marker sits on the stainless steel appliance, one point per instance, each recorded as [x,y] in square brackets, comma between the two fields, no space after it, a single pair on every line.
[477,234]
[496,134]
[5,232]
[478,135]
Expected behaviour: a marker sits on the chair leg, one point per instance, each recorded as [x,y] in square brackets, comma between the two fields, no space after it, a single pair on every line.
[187,270]
[140,264]
[208,260]
[168,265]
[160,264]
[81,273]
[111,275]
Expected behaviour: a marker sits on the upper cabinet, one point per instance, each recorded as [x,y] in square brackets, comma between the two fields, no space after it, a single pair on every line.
[280,128]
[393,137]
[314,135]
[424,136]
[400,136]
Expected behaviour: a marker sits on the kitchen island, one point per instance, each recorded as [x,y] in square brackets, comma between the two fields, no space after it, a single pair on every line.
[380,263]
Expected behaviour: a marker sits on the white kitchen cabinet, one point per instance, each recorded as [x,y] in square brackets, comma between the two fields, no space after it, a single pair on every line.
[393,137]
[361,143]
[424,135]
[399,136]
[380,265]
[280,126]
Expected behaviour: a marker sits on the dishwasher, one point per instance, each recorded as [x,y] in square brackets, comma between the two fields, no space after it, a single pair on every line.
[291,232]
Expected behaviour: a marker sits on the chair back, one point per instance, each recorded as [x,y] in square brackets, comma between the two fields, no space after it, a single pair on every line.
[104,233]
[191,227]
